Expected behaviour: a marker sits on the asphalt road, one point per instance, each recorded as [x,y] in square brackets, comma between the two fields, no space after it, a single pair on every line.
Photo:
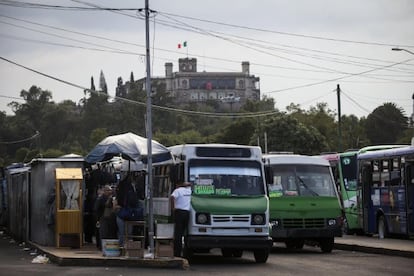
[16,259]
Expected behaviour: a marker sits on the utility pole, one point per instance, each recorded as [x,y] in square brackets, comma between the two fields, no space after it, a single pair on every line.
[338,93]
[149,135]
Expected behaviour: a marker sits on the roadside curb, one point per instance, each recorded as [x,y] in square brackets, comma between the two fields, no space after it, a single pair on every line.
[374,250]
[176,263]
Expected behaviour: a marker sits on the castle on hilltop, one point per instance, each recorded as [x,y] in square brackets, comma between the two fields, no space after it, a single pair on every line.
[229,89]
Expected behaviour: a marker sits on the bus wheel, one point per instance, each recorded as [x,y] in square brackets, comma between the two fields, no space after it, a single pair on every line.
[326,245]
[261,255]
[382,227]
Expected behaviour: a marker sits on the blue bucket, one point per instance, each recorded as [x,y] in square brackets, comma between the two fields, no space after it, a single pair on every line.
[110,248]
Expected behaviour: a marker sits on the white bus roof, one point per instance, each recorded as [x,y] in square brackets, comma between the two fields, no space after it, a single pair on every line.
[190,148]
[295,159]
[387,153]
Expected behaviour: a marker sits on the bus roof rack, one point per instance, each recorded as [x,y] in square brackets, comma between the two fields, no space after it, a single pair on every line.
[351,149]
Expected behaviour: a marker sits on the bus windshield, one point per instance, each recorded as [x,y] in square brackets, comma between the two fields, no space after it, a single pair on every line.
[226,178]
[349,172]
[301,180]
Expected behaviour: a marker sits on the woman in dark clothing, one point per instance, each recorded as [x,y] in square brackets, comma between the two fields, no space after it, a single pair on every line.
[129,194]
[106,219]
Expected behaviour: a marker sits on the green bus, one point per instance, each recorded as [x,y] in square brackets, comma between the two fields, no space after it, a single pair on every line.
[304,203]
[229,202]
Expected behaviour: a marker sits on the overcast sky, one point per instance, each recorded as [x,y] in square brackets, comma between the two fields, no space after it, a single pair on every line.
[300,50]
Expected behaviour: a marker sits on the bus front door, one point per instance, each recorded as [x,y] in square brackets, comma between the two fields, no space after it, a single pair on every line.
[366,184]
[409,176]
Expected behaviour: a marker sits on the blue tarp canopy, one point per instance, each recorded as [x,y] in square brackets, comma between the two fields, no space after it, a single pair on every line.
[129,146]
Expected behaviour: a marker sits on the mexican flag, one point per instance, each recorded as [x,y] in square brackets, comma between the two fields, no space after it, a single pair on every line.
[181,45]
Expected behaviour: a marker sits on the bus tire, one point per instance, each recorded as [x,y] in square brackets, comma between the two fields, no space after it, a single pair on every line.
[382,227]
[261,255]
[326,245]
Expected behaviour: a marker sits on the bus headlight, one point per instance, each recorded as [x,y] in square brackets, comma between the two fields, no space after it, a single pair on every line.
[258,219]
[331,222]
[275,223]
[202,218]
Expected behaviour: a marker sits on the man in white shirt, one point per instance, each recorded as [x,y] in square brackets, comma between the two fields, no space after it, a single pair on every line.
[180,204]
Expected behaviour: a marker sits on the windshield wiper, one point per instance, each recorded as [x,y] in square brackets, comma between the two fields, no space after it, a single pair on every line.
[306,187]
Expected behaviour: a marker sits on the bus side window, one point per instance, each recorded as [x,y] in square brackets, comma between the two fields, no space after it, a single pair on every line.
[376,177]
[366,175]
[395,173]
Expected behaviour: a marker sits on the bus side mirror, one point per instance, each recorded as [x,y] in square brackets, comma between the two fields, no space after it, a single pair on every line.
[269,175]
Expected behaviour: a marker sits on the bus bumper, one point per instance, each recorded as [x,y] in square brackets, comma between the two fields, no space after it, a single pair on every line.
[306,233]
[246,242]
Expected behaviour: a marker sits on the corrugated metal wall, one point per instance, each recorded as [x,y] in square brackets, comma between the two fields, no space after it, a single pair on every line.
[42,230]
[18,185]
[30,199]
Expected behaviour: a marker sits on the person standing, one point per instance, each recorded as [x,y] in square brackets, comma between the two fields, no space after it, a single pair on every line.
[99,207]
[128,204]
[180,204]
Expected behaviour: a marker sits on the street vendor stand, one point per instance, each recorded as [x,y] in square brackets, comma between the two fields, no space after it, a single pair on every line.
[69,207]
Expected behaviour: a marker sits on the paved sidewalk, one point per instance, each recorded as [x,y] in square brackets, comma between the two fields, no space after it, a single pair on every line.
[388,246]
[88,255]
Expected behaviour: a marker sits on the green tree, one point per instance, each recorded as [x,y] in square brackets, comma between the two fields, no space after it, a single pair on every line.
[31,112]
[386,124]
[102,83]
[238,132]
[97,135]
[321,118]
[353,133]
[286,133]
[92,84]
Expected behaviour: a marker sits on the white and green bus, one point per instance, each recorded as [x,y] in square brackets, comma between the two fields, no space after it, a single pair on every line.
[304,202]
[229,203]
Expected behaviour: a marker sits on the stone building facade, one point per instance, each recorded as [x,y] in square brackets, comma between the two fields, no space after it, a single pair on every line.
[229,89]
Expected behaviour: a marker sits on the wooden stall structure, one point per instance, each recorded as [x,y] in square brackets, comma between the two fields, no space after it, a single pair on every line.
[69,207]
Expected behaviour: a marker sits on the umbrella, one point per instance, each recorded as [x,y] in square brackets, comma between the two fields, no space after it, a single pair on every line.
[129,146]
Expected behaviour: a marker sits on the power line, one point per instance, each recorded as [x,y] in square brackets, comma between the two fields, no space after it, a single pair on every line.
[93,7]
[248,41]
[114,50]
[339,78]
[20,4]
[311,84]
[183,111]
[285,58]
[37,134]
[96,6]
[286,33]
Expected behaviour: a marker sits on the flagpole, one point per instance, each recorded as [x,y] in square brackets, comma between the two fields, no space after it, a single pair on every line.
[149,136]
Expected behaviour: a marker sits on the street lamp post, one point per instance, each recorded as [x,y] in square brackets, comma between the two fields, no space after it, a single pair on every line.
[402,49]
[412,116]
